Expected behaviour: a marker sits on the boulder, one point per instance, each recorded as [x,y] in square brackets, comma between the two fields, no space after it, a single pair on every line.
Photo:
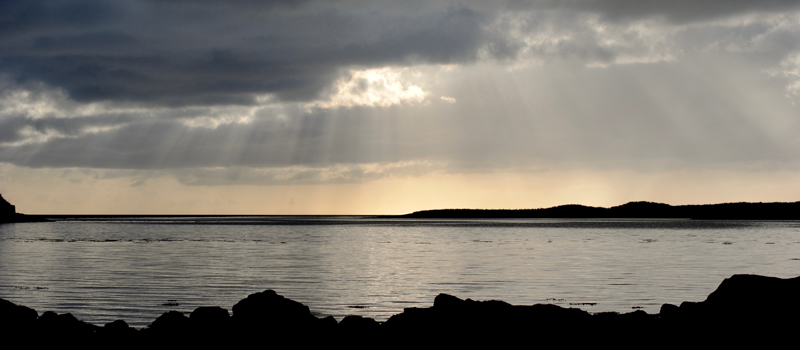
[52,327]
[170,322]
[12,314]
[116,334]
[269,314]
[16,320]
[358,324]
[744,299]
[209,317]
[754,294]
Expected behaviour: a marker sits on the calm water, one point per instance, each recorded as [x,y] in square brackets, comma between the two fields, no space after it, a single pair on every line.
[105,270]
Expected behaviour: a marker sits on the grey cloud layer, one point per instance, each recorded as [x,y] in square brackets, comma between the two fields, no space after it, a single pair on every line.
[205,53]
[129,84]
[679,11]
[635,117]
[190,52]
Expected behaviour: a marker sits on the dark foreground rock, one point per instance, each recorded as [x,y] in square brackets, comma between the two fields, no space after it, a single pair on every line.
[745,310]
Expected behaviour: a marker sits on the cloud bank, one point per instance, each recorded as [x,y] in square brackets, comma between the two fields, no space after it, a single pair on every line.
[281,92]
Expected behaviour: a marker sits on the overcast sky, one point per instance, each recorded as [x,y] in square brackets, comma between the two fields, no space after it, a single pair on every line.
[372,107]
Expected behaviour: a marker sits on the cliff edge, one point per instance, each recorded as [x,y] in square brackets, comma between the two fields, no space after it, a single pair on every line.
[8,213]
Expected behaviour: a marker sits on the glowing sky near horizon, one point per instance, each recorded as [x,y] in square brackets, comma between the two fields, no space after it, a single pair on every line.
[363,107]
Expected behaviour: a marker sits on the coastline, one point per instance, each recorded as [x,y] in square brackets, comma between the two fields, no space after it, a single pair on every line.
[21,218]
[630,210]
[742,308]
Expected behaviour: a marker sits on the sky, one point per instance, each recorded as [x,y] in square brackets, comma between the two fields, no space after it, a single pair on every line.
[388,107]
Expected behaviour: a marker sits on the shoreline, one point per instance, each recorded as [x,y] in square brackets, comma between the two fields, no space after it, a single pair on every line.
[630,210]
[739,304]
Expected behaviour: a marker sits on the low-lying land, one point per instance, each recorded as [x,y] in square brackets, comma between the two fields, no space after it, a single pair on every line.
[745,310]
[631,210]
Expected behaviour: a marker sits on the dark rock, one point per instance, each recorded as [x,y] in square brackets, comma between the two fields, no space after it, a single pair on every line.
[638,316]
[118,326]
[8,214]
[327,324]
[6,208]
[170,322]
[455,322]
[745,310]
[171,329]
[209,317]
[447,302]
[16,321]
[116,334]
[267,308]
[267,314]
[355,323]
[12,314]
[748,294]
[669,311]
[210,323]
[55,328]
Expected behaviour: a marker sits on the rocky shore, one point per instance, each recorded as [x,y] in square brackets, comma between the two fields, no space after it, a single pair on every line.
[745,310]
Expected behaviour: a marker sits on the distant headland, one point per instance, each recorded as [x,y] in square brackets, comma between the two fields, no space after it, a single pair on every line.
[631,210]
[8,214]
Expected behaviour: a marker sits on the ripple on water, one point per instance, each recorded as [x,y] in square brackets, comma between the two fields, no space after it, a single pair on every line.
[136,270]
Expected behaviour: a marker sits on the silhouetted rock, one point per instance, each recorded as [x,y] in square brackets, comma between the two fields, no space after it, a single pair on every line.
[171,329]
[11,313]
[452,321]
[355,323]
[268,306]
[749,293]
[7,211]
[744,298]
[8,214]
[6,208]
[54,329]
[208,317]
[117,334]
[745,310]
[668,310]
[267,314]
[118,327]
[327,324]
[170,322]
[16,320]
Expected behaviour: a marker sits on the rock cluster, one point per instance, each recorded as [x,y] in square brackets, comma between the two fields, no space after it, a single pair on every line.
[745,310]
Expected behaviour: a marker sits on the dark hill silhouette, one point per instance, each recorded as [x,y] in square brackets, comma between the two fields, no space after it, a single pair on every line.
[6,208]
[8,214]
[631,210]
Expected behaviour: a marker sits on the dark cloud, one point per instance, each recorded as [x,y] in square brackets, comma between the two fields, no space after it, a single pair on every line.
[98,42]
[159,85]
[196,52]
[22,18]
[639,117]
[202,52]
[680,11]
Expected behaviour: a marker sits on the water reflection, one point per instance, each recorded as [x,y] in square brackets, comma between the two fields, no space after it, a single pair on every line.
[137,269]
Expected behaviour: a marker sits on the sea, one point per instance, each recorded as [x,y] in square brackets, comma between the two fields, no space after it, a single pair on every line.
[136,268]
